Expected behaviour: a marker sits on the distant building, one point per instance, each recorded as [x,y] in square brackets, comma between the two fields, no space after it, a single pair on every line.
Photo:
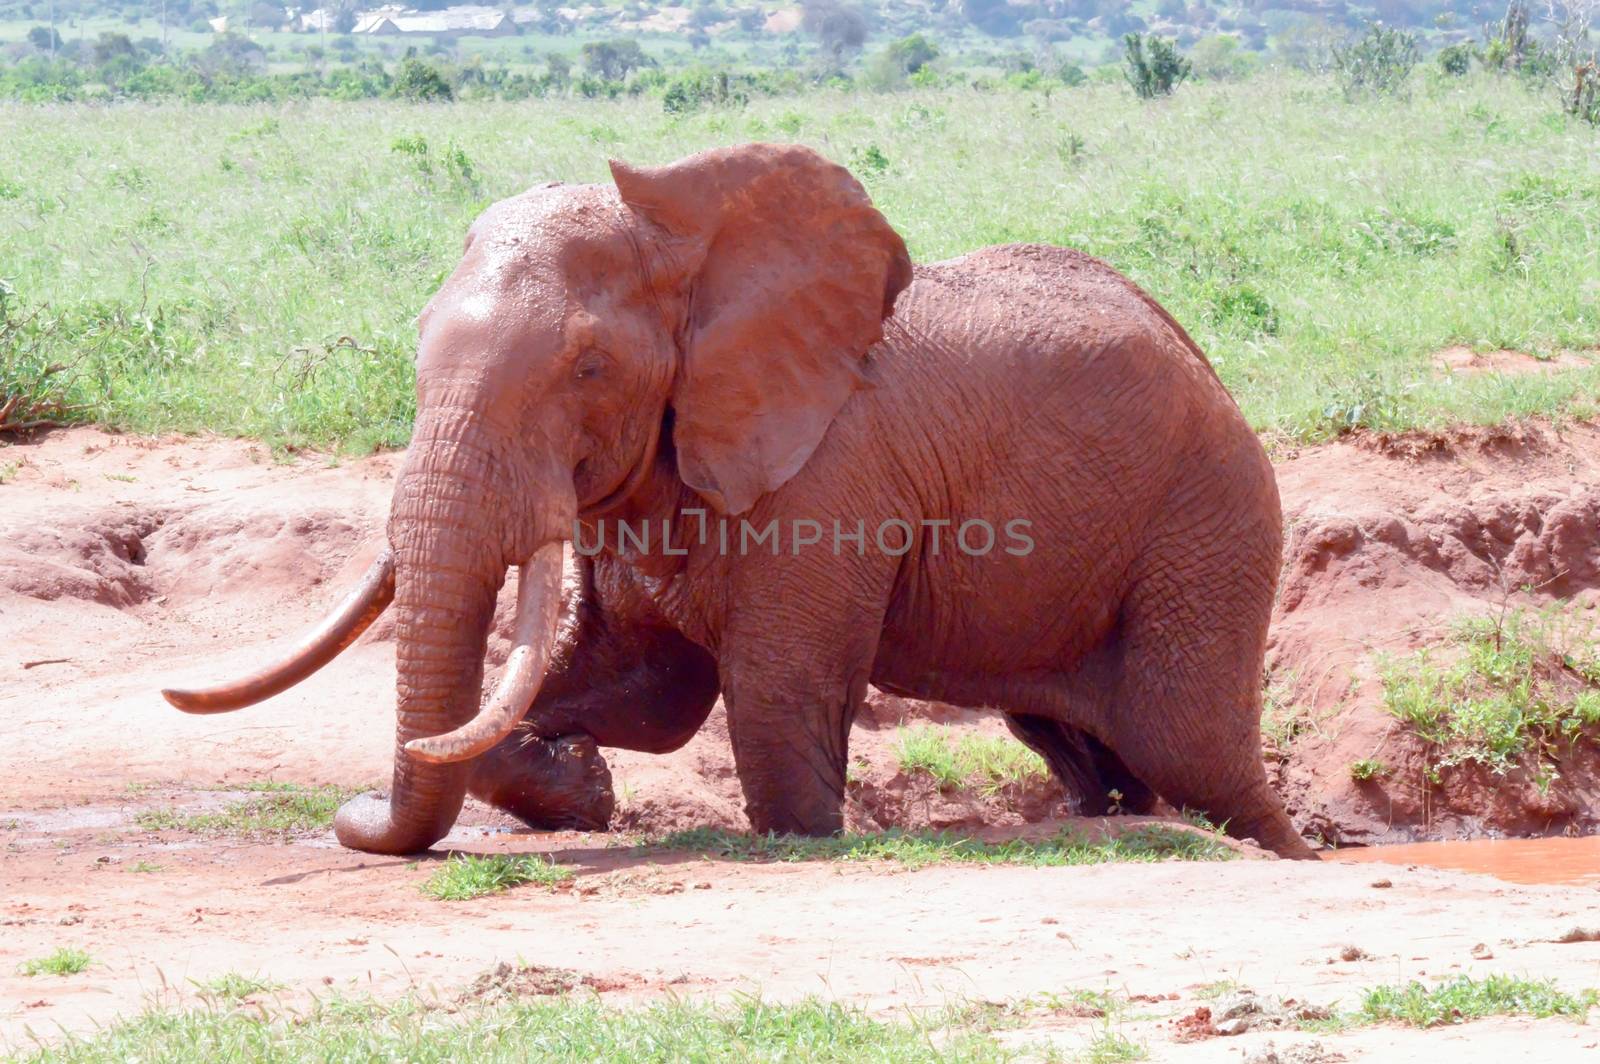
[464,21]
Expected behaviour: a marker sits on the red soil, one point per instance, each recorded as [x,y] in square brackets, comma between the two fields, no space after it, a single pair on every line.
[127,564]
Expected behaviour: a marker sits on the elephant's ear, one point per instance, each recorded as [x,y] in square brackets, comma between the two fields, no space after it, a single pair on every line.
[791,271]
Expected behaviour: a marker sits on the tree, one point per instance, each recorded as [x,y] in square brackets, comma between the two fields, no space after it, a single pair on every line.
[912,53]
[44,38]
[109,46]
[344,17]
[231,53]
[1153,66]
[614,60]
[994,17]
[418,79]
[838,28]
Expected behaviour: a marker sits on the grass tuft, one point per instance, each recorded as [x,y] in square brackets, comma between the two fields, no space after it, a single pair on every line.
[1149,843]
[235,986]
[466,875]
[64,961]
[1368,768]
[1464,998]
[1112,1047]
[985,763]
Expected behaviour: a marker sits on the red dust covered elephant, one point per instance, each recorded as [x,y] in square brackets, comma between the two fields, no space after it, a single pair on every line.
[793,464]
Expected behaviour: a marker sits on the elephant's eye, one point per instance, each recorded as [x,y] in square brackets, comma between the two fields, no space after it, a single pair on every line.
[590,366]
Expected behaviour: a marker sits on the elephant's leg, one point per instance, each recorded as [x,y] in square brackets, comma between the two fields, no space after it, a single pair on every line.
[620,678]
[796,660]
[1186,713]
[1087,769]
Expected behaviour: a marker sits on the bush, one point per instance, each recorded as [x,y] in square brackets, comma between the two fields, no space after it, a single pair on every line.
[1378,63]
[1456,60]
[1585,101]
[699,88]
[417,79]
[1153,66]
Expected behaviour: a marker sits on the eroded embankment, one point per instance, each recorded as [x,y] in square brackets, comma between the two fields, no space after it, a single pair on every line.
[126,563]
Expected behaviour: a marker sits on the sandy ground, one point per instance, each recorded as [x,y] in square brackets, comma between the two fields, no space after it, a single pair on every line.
[129,564]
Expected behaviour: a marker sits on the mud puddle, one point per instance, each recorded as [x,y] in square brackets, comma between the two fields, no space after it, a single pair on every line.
[1555,860]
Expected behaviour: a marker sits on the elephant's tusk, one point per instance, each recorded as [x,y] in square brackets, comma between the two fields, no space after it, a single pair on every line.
[538,603]
[341,628]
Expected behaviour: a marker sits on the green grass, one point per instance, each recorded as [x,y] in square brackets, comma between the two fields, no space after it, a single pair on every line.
[568,1029]
[64,961]
[985,763]
[919,849]
[1464,998]
[466,875]
[235,986]
[145,867]
[1522,684]
[283,808]
[205,268]
[1220,988]
[1111,1047]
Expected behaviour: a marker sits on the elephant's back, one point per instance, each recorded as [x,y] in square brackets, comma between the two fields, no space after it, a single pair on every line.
[1039,335]
[1037,384]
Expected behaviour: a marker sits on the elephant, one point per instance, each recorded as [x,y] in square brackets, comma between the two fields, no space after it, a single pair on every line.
[1007,480]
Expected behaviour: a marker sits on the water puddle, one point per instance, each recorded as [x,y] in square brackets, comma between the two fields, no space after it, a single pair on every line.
[1556,860]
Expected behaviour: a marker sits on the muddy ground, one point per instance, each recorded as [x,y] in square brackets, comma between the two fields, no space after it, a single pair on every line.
[127,564]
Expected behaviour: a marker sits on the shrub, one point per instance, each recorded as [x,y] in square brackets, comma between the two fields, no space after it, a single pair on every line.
[1585,100]
[1456,60]
[1153,66]
[699,88]
[1510,46]
[32,387]
[1378,63]
[417,79]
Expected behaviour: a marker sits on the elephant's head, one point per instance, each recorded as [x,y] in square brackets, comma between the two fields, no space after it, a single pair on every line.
[727,299]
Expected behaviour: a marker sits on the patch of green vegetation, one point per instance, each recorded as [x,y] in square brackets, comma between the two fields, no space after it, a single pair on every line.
[1368,768]
[145,867]
[1319,292]
[1519,684]
[1219,988]
[987,763]
[64,961]
[1464,998]
[284,808]
[1149,843]
[235,986]
[1109,1046]
[564,1030]
[466,875]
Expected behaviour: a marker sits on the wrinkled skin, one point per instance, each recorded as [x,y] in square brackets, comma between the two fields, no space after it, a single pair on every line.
[743,334]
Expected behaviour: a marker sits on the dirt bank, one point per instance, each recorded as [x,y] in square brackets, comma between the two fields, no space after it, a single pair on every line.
[126,564]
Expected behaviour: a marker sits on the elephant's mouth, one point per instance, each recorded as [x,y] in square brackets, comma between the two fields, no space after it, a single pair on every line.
[626,484]
[538,604]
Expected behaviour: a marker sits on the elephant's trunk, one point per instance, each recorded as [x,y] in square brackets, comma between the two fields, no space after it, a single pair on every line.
[538,604]
[447,532]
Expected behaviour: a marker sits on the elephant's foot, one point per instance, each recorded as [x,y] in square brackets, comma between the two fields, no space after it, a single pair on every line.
[552,784]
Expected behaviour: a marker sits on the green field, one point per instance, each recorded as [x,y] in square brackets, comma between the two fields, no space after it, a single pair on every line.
[255,269]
